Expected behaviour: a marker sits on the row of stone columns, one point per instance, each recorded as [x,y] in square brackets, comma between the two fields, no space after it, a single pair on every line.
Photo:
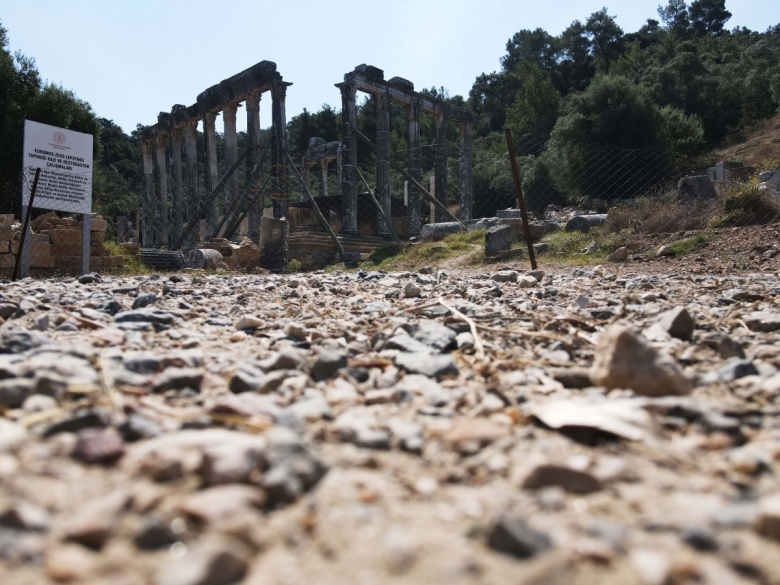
[349,183]
[163,219]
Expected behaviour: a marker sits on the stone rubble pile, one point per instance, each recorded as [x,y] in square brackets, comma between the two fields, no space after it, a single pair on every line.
[488,426]
[55,245]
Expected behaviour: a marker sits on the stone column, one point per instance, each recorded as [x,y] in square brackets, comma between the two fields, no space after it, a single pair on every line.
[466,172]
[324,173]
[162,202]
[253,137]
[191,201]
[150,200]
[440,165]
[383,194]
[210,138]
[231,154]
[279,149]
[413,208]
[177,199]
[349,148]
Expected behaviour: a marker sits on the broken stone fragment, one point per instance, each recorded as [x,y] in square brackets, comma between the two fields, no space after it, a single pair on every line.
[571,480]
[511,534]
[678,323]
[619,255]
[624,360]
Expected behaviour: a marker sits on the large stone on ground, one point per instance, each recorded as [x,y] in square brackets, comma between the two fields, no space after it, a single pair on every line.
[498,240]
[625,360]
[437,231]
[205,258]
[585,223]
[696,187]
[274,238]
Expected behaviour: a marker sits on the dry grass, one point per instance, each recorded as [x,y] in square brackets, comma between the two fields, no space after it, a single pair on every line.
[652,215]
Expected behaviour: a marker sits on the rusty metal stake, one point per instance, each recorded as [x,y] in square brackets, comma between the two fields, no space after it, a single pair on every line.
[520,202]
[26,223]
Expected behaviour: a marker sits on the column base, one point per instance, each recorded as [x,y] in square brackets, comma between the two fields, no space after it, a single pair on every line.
[350,232]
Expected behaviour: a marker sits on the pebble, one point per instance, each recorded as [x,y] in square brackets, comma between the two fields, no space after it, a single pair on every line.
[571,480]
[625,360]
[332,417]
[511,534]
[212,560]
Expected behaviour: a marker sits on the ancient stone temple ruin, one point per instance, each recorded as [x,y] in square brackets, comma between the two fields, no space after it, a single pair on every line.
[170,172]
[369,79]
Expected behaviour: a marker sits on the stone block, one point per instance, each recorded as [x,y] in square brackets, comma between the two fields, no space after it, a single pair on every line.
[67,262]
[15,245]
[696,187]
[371,71]
[509,213]
[67,223]
[37,239]
[203,258]
[64,236]
[45,219]
[6,232]
[498,240]
[5,247]
[274,238]
[131,248]
[6,218]
[584,223]
[41,261]
[95,262]
[40,250]
[96,237]
[437,231]
[113,261]
[7,260]
[98,224]
[405,83]
[97,250]
[66,249]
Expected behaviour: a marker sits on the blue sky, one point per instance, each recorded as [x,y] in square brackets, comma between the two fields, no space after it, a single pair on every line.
[134,58]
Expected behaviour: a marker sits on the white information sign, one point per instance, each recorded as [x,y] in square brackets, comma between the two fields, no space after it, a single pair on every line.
[65,160]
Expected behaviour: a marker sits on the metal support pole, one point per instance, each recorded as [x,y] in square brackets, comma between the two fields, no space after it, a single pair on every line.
[520,201]
[25,241]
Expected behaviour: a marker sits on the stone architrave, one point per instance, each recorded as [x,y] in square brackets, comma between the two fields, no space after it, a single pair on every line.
[696,187]
[498,240]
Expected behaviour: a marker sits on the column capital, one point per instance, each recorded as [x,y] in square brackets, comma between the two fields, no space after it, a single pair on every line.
[229,113]
[210,118]
[161,140]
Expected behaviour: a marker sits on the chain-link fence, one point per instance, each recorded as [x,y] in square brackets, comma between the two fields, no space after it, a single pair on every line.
[189,203]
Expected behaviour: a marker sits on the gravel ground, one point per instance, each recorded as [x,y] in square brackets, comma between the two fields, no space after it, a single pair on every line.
[612,424]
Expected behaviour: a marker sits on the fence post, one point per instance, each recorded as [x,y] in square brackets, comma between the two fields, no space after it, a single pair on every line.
[520,202]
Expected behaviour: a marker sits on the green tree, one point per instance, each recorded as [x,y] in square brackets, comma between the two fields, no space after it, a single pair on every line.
[708,16]
[606,39]
[613,141]
[535,108]
[675,16]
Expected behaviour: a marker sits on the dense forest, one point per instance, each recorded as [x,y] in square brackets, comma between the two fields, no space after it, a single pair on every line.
[679,86]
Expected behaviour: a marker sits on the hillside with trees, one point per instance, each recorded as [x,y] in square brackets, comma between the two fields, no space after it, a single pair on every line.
[588,108]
